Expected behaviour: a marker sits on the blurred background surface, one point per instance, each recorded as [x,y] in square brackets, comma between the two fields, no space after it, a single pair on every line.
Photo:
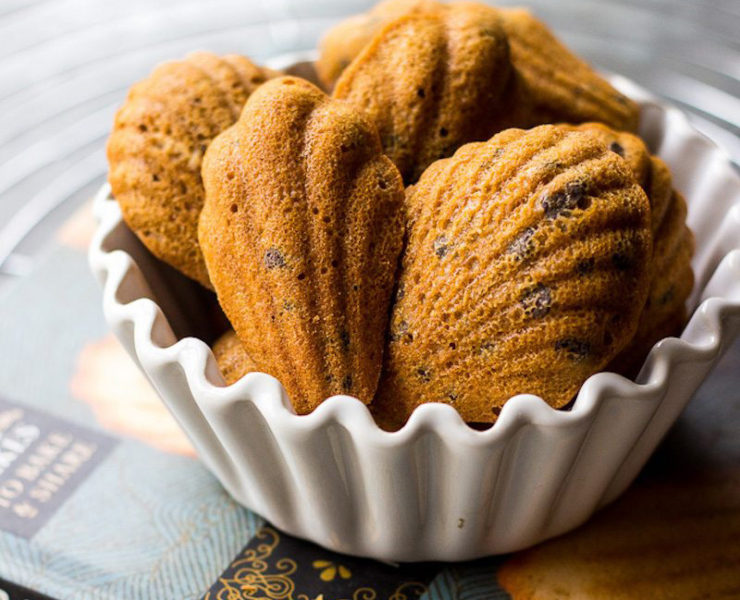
[65,66]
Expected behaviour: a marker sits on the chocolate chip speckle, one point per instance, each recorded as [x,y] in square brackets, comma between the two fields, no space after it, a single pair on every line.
[560,203]
[617,148]
[575,349]
[522,245]
[347,383]
[424,374]
[344,338]
[536,301]
[399,331]
[274,259]
[486,347]
[440,246]
[585,266]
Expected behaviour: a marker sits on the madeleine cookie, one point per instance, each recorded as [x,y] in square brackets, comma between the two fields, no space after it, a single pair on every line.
[525,271]
[672,277]
[663,540]
[672,281]
[157,144]
[434,81]
[233,361]
[560,86]
[301,231]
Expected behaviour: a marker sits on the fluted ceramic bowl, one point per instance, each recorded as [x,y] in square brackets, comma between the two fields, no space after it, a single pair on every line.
[436,489]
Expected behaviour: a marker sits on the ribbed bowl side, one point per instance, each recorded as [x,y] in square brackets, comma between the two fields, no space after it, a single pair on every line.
[616,425]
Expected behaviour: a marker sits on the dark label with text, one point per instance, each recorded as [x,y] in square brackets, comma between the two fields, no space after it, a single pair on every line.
[42,461]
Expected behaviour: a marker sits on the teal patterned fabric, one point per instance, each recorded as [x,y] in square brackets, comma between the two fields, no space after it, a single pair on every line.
[474,581]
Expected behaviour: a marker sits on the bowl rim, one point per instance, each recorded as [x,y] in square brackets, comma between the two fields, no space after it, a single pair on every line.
[197,361]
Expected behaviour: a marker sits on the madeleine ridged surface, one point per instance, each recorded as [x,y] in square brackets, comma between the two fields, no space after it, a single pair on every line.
[632,149]
[561,86]
[672,281]
[343,42]
[433,81]
[301,232]
[525,271]
[231,357]
[672,277]
[156,147]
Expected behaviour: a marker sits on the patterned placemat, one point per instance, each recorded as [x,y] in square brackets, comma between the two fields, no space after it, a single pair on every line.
[101,496]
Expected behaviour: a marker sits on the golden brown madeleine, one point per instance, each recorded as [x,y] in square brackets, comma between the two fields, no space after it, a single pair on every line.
[673,246]
[301,232]
[231,357]
[562,87]
[157,144]
[672,281]
[666,538]
[525,271]
[343,42]
[434,81]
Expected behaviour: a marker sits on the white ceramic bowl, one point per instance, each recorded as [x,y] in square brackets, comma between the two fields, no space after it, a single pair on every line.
[436,489]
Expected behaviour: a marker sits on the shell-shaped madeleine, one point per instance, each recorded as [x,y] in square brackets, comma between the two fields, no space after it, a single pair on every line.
[301,232]
[672,277]
[671,284]
[525,271]
[561,86]
[231,357]
[343,42]
[159,137]
[433,81]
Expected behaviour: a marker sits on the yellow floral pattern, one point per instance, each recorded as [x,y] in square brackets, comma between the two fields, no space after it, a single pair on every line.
[329,570]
